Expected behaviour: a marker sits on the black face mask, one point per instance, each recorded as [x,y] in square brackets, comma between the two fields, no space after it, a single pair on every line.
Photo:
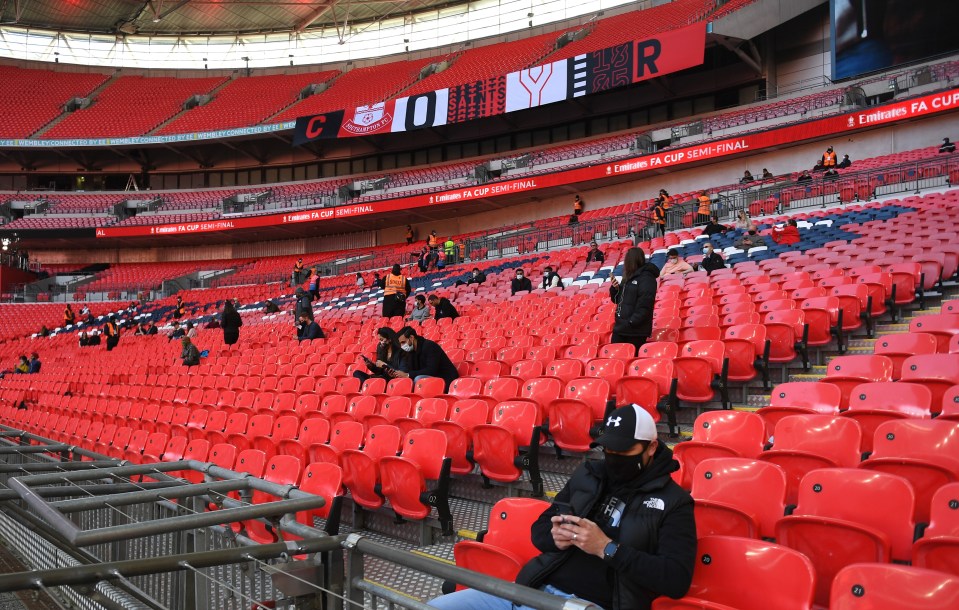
[622,469]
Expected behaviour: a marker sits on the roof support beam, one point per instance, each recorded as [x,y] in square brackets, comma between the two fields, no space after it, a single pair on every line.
[320,10]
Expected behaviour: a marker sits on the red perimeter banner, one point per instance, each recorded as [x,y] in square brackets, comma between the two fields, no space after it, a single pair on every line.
[564,79]
[853,121]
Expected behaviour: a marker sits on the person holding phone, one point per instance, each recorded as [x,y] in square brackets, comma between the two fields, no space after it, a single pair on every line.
[619,534]
[389,357]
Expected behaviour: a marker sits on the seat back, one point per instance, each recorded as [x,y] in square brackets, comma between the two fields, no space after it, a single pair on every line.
[893,587]
[898,347]
[659,349]
[593,392]
[518,417]
[732,572]
[738,497]
[502,388]
[382,441]
[426,448]
[320,479]
[906,399]
[510,521]
[741,431]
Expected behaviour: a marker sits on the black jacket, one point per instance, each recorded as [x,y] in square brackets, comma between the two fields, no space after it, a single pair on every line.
[479,279]
[635,298]
[429,359]
[230,321]
[304,304]
[595,256]
[309,331]
[711,229]
[656,534]
[712,262]
[445,309]
[519,285]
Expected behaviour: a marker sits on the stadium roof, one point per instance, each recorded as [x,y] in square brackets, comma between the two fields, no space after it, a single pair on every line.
[182,17]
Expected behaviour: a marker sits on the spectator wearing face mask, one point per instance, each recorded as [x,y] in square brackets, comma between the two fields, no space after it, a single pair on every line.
[752,239]
[551,279]
[714,227]
[307,329]
[420,310]
[520,283]
[711,259]
[475,277]
[947,146]
[788,235]
[424,358]
[674,264]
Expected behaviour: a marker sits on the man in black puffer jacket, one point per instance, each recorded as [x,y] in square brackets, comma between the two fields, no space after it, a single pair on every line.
[634,298]
[619,534]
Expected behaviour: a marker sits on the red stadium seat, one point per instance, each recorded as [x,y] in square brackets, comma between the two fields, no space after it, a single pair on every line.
[405,477]
[505,546]
[803,443]
[281,470]
[846,516]
[800,397]
[889,587]
[745,574]
[464,416]
[943,326]
[938,549]
[720,434]
[361,468]
[898,347]
[648,381]
[747,349]
[571,417]
[924,452]
[938,372]
[846,372]
[498,446]
[738,497]
[324,480]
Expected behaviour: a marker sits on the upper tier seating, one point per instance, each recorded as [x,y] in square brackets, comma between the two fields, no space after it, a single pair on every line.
[33,98]
[132,106]
[359,87]
[246,101]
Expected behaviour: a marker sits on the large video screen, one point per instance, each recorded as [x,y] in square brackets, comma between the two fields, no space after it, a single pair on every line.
[872,35]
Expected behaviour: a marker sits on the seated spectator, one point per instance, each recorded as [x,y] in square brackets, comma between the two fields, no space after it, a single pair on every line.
[831,173]
[389,357]
[44,331]
[714,227]
[747,178]
[94,337]
[742,221]
[804,177]
[190,331]
[712,260]
[177,332]
[84,311]
[360,282]
[846,162]
[379,282]
[947,146]
[767,175]
[551,279]
[424,358]
[307,329]
[23,366]
[475,277]
[595,255]
[420,310]
[190,354]
[151,328]
[674,264]
[787,235]
[752,239]
[442,307]
[83,339]
[520,283]
[271,307]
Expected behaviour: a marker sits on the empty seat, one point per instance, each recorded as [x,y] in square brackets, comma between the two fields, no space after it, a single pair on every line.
[893,587]
[938,549]
[746,574]
[738,497]
[846,372]
[803,443]
[846,516]
[898,347]
[508,445]
[938,372]
[720,434]
[800,397]
[871,404]
[405,478]
[505,545]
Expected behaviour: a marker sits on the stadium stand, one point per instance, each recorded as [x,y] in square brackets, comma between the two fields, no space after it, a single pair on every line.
[39,96]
